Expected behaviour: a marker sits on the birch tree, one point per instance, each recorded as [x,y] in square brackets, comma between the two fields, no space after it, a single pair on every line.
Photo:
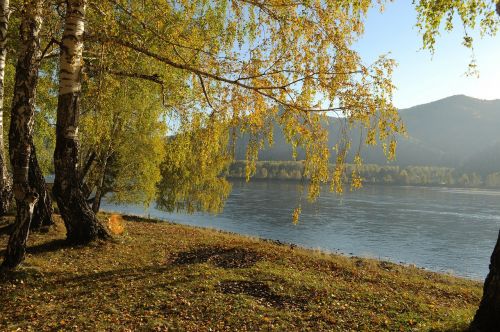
[42,215]
[122,139]
[21,129]
[235,62]
[252,64]
[5,181]
[81,222]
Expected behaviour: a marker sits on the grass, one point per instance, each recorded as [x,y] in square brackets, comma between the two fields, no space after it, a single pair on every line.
[163,276]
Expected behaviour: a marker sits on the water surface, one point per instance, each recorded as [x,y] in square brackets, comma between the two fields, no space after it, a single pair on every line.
[440,229]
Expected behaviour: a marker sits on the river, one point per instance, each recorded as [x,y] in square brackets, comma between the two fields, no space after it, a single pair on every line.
[439,229]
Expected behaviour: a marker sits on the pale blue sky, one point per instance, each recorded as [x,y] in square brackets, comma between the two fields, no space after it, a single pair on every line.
[420,76]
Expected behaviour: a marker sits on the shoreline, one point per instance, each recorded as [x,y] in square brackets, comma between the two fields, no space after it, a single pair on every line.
[280,242]
[370,184]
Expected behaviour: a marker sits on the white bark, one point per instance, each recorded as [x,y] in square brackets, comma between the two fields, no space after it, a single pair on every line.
[81,223]
[4,19]
[5,180]
[21,128]
[71,59]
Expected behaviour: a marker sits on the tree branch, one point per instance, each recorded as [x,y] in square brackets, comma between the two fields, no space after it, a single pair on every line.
[87,166]
[155,78]
[205,91]
[258,89]
[44,54]
[145,26]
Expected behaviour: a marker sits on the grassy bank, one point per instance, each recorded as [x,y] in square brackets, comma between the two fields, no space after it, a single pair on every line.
[159,276]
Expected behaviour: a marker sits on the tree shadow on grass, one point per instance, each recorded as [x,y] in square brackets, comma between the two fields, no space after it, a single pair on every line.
[124,289]
[143,219]
[53,245]
[125,274]
[227,258]
[263,293]
[41,248]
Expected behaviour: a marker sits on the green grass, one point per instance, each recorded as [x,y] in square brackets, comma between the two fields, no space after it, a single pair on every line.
[162,276]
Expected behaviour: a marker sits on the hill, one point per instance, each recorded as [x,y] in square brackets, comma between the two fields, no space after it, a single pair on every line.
[456,132]
[159,276]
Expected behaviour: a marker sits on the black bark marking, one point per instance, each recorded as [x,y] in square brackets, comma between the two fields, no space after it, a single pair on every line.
[21,130]
[42,216]
[81,223]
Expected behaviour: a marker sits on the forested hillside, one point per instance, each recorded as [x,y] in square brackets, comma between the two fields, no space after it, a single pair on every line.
[455,132]
[375,174]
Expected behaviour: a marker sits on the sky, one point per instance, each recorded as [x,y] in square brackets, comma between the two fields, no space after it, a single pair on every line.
[420,76]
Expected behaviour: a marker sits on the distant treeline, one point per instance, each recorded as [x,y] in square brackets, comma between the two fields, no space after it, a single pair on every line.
[375,174]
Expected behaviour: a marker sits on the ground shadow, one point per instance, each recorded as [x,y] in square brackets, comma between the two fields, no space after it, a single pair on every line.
[103,277]
[48,246]
[36,249]
[263,293]
[141,219]
[5,229]
[227,258]
[70,286]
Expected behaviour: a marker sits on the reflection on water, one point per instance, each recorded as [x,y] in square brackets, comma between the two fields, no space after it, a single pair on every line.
[446,230]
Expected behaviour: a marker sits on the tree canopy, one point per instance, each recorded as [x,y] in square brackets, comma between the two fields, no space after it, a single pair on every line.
[435,16]
[227,68]
[471,12]
[152,96]
[242,66]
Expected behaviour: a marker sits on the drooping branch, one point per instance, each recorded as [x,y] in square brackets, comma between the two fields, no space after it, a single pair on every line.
[205,91]
[262,90]
[265,7]
[148,28]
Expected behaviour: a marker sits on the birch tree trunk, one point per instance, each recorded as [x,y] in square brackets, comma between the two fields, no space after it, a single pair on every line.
[81,222]
[21,129]
[5,181]
[96,204]
[42,216]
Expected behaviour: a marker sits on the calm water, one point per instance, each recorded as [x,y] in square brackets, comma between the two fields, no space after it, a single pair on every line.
[440,229]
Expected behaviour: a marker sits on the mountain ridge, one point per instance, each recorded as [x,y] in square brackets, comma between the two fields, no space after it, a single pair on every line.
[457,131]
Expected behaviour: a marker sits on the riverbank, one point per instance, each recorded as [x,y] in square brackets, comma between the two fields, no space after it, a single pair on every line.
[158,276]
[437,229]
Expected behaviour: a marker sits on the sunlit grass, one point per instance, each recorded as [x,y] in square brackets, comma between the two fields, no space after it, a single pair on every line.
[167,276]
